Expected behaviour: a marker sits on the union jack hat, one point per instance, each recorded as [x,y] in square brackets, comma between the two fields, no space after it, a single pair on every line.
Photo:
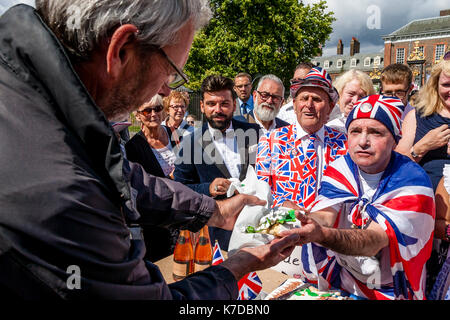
[387,110]
[318,78]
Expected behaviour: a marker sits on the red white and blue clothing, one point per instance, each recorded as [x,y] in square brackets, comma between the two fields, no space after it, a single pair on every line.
[403,205]
[282,161]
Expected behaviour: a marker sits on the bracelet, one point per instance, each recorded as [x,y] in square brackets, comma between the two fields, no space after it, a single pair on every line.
[447,232]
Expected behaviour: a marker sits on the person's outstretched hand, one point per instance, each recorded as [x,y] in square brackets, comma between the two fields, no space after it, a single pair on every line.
[262,257]
[228,210]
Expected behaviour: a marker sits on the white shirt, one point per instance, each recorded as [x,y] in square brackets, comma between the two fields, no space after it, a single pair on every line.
[287,113]
[166,158]
[338,123]
[226,145]
[264,130]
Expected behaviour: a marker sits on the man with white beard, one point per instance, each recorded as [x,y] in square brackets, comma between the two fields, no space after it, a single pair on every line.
[268,99]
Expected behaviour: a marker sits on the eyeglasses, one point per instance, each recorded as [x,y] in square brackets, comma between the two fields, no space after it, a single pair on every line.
[177,79]
[265,96]
[148,111]
[175,107]
[399,93]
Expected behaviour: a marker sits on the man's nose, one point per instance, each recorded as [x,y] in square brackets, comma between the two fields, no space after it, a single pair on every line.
[164,91]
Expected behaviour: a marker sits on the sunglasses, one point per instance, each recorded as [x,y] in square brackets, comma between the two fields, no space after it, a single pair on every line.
[148,111]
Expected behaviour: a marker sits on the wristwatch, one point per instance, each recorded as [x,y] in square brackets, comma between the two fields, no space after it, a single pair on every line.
[413,154]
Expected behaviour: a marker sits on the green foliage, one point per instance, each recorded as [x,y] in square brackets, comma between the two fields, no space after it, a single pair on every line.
[258,37]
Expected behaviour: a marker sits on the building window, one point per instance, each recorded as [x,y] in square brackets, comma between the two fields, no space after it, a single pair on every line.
[440,50]
[326,64]
[353,63]
[377,61]
[367,62]
[339,63]
[400,55]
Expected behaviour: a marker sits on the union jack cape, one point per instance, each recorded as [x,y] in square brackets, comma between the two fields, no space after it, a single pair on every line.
[249,286]
[403,205]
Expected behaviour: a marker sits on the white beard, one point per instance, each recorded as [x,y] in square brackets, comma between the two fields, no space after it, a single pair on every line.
[265,114]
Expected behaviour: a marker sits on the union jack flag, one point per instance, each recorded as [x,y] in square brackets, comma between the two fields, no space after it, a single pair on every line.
[249,286]
[217,255]
[403,205]
[283,164]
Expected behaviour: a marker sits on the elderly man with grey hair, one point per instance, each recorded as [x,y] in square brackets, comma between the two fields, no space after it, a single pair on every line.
[70,199]
[268,98]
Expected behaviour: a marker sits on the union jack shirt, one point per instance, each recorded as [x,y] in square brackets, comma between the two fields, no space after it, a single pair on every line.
[403,205]
[281,162]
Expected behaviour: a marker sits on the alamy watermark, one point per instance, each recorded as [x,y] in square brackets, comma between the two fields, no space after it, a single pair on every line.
[74,280]
[374,18]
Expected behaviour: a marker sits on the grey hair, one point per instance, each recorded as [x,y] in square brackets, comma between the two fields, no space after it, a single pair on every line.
[273,78]
[81,25]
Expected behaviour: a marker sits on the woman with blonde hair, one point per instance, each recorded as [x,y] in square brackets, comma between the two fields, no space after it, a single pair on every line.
[426,131]
[426,135]
[154,150]
[351,86]
[175,106]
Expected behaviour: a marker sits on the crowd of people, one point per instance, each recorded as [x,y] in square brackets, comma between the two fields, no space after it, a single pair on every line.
[367,173]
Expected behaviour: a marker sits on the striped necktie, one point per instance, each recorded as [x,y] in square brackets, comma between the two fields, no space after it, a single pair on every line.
[244,108]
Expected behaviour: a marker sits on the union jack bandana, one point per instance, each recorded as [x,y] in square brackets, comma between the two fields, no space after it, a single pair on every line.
[387,110]
[319,78]
[403,205]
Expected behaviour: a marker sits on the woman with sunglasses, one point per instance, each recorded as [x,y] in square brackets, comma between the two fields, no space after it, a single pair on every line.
[175,105]
[152,148]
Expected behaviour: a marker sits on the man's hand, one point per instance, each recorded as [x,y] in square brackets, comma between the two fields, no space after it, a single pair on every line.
[228,210]
[259,258]
[310,231]
[219,186]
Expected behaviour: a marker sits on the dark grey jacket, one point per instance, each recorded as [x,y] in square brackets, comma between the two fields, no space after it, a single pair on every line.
[67,194]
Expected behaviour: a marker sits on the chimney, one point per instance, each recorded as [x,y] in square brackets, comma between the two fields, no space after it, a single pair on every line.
[340,47]
[443,13]
[354,46]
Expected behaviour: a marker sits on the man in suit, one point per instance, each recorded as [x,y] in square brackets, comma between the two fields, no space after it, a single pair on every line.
[222,149]
[243,89]
[268,98]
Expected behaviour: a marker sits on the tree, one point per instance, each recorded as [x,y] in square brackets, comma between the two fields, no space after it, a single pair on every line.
[258,37]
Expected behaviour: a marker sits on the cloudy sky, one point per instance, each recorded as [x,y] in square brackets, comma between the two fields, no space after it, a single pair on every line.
[367,20]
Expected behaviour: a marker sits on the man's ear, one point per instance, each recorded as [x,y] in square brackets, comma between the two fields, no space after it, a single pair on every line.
[201,106]
[119,51]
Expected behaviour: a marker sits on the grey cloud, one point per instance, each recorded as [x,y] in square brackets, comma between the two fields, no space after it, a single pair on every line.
[352,20]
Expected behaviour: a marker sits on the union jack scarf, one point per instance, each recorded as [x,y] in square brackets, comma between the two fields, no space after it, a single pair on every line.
[290,171]
[403,205]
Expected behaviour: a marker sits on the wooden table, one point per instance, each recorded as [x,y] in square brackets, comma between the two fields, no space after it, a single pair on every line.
[270,279]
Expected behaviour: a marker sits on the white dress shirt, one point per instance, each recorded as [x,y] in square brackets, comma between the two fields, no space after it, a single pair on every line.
[287,113]
[226,145]
[264,130]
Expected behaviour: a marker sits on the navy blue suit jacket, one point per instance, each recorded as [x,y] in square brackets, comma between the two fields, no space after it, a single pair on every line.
[198,176]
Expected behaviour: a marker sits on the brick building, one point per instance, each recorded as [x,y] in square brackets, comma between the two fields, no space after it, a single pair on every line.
[420,44]
[340,63]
